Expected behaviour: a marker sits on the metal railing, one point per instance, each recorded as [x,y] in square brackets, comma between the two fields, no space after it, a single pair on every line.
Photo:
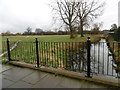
[84,57]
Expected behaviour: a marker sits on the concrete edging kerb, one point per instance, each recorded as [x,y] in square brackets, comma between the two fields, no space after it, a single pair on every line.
[67,73]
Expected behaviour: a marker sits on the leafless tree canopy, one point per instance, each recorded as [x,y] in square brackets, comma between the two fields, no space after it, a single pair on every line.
[96,27]
[87,11]
[78,13]
[67,11]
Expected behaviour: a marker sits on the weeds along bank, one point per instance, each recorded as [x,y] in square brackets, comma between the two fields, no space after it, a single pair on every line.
[114,47]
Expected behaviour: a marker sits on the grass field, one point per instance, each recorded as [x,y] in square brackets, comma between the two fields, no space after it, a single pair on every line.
[53,49]
[51,38]
[46,38]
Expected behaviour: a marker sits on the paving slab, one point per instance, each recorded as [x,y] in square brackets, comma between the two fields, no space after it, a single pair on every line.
[20,84]
[6,83]
[5,68]
[74,83]
[16,73]
[49,81]
[34,77]
[17,77]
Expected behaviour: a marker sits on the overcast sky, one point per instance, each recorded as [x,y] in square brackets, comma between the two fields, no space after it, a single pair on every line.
[17,15]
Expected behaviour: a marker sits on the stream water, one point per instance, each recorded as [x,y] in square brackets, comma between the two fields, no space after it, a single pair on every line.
[102,59]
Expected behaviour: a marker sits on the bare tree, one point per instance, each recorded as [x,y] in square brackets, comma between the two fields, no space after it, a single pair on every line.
[87,11]
[78,13]
[67,11]
[29,29]
[96,28]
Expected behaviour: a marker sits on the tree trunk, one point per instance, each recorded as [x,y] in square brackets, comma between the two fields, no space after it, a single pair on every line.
[72,35]
[71,32]
[82,32]
[81,28]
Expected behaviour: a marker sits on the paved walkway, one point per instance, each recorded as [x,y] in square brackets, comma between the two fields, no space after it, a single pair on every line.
[17,77]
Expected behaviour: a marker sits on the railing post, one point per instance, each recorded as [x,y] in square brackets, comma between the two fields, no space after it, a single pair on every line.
[36,41]
[88,57]
[8,50]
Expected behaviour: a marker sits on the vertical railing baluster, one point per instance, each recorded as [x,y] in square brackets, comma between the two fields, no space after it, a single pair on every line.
[14,54]
[63,55]
[66,54]
[88,57]
[54,60]
[47,53]
[84,68]
[62,60]
[60,53]
[52,52]
[22,50]
[112,57]
[98,56]
[94,57]
[70,55]
[76,53]
[33,52]
[79,57]
[25,54]
[118,62]
[37,53]
[108,60]
[103,58]
[42,53]
[57,54]
[8,49]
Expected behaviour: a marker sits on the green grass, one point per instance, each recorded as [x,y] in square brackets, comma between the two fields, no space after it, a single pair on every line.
[4,63]
[50,38]
[50,52]
[45,38]
[12,40]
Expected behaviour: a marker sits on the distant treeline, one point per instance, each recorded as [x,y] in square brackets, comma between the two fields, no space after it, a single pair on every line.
[51,33]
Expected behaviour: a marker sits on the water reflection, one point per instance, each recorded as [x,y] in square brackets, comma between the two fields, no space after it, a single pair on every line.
[102,59]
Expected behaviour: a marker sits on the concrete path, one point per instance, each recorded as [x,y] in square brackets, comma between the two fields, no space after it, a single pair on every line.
[17,77]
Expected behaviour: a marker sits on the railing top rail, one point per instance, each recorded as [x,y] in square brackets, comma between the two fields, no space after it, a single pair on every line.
[59,42]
